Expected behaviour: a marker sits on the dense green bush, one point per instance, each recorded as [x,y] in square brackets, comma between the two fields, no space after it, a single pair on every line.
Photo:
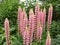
[8,11]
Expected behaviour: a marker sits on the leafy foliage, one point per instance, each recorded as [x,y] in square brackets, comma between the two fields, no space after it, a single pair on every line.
[9,9]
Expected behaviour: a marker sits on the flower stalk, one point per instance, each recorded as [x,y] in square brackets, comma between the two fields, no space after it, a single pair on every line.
[50,17]
[7,32]
[48,40]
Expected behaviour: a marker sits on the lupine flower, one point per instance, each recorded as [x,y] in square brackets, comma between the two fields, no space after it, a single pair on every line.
[50,16]
[19,15]
[48,40]
[44,17]
[26,37]
[41,18]
[7,33]
[37,11]
[24,40]
[39,30]
[21,21]
[25,21]
[31,24]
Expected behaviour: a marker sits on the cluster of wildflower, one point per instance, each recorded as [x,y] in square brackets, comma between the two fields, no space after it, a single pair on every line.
[31,28]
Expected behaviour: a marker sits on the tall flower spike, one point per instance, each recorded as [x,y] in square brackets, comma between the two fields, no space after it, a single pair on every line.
[50,17]
[39,31]
[18,20]
[31,24]
[37,12]
[41,18]
[26,36]
[48,40]
[44,17]
[25,21]
[7,33]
